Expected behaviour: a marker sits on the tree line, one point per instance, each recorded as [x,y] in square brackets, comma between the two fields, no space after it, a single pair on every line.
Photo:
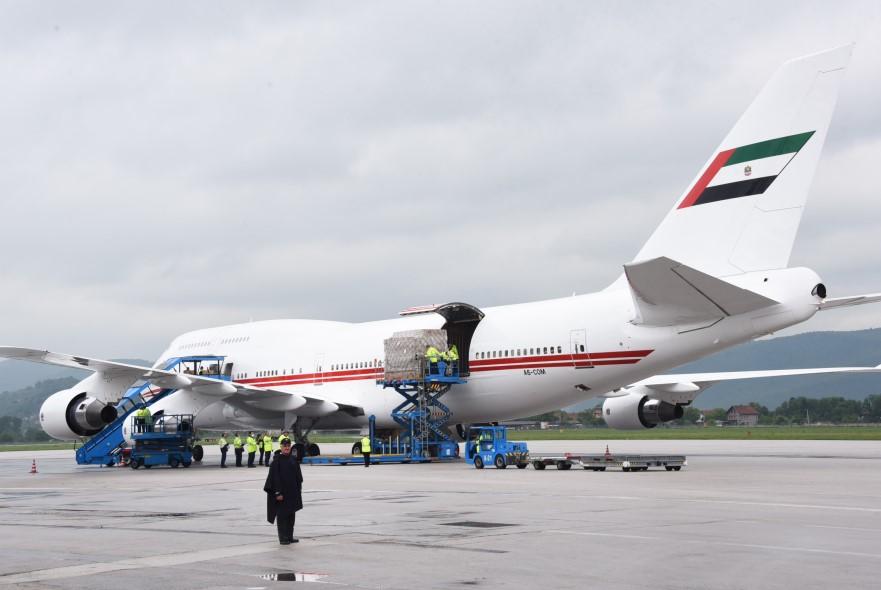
[14,429]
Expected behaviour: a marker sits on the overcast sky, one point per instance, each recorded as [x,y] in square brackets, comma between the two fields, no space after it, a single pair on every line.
[172,166]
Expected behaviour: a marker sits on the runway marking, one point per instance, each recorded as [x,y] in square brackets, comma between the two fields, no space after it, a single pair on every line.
[824,507]
[719,543]
[151,561]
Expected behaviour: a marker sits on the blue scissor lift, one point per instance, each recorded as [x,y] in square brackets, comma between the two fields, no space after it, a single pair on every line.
[422,416]
[106,447]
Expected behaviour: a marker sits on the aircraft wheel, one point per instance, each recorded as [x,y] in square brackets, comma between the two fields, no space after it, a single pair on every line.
[198,453]
[500,462]
[478,462]
[313,450]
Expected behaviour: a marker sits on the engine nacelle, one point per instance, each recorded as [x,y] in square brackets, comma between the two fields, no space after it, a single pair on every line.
[70,414]
[634,412]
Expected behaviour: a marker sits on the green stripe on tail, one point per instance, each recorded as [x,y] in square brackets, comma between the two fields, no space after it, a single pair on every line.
[771,147]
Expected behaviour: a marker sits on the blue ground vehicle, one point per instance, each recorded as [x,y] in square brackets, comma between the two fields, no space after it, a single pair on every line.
[489,445]
[163,440]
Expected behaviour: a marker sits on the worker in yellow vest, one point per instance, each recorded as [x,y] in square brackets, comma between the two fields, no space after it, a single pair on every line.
[251,447]
[283,437]
[224,447]
[238,448]
[452,357]
[432,355]
[365,450]
[267,447]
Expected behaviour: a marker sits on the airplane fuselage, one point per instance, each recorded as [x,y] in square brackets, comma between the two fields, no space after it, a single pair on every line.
[524,359]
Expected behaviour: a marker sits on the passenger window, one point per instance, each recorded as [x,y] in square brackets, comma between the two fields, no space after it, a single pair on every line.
[559,349]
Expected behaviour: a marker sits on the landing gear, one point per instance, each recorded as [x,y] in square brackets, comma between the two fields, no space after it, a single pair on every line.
[301,439]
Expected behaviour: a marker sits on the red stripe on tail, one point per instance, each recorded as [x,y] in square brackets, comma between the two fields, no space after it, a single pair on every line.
[705,179]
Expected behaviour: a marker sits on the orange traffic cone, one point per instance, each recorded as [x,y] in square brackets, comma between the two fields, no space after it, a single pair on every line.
[608,455]
[34,466]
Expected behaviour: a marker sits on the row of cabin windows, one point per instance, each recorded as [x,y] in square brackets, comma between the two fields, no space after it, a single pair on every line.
[193,345]
[358,365]
[272,373]
[492,354]
[235,340]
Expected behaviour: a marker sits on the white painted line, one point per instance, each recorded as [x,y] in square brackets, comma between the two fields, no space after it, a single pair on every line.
[722,543]
[170,559]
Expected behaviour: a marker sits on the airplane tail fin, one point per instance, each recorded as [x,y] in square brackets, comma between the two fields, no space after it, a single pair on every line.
[742,211]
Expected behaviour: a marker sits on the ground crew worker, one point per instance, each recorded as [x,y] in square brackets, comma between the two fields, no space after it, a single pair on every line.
[283,437]
[251,447]
[432,355]
[148,419]
[453,358]
[237,447]
[224,447]
[139,420]
[260,447]
[267,447]
[365,450]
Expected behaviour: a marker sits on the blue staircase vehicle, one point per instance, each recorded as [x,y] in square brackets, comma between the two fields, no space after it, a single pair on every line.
[105,448]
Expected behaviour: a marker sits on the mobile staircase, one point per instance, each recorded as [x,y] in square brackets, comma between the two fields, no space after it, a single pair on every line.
[105,448]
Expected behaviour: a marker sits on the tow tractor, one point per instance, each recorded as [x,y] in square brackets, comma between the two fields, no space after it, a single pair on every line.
[168,441]
[489,445]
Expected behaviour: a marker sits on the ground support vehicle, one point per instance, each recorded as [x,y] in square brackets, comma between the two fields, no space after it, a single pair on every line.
[489,446]
[608,461]
[167,441]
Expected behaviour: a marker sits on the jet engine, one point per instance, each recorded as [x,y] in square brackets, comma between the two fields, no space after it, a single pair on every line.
[69,415]
[633,412]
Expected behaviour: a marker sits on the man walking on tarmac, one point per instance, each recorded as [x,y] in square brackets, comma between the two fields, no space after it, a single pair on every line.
[365,450]
[237,447]
[283,487]
[224,447]
[251,447]
[267,447]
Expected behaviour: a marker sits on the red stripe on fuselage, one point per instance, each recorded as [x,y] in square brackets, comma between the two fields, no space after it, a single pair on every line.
[477,366]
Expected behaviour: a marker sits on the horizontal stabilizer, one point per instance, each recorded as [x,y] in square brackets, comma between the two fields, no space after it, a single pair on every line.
[836,302]
[668,293]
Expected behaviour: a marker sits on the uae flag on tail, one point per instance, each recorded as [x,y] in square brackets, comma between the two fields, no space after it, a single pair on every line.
[746,170]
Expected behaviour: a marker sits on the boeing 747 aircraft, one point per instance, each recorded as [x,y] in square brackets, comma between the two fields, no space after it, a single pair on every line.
[712,275]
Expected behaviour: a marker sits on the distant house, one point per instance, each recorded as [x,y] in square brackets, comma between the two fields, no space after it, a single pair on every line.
[743,416]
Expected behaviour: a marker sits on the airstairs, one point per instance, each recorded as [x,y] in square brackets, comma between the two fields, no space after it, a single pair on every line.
[105,448]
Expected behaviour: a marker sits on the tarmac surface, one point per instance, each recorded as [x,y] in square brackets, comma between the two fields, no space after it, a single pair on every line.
[753,514]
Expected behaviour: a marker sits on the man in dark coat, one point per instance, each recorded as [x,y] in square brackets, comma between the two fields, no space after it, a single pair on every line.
[283,492]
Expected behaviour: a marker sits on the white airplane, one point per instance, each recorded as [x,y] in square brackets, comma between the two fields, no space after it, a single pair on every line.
[714,274]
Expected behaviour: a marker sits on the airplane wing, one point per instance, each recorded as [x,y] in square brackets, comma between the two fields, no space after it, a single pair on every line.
[836,302]
[275,399]
[683,388]
[667,292]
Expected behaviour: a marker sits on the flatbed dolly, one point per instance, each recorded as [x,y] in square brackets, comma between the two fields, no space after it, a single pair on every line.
[608,461]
